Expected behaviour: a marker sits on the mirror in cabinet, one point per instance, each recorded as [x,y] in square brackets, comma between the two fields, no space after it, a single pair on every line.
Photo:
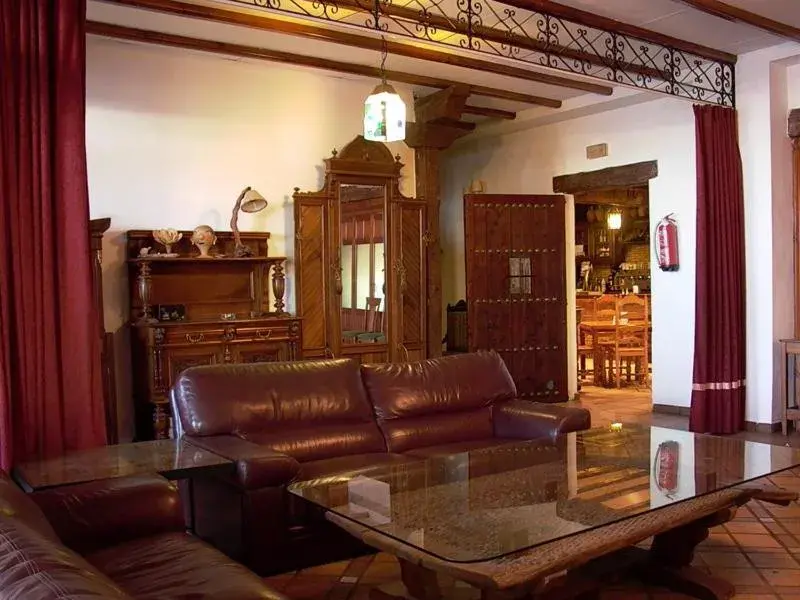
[362,233]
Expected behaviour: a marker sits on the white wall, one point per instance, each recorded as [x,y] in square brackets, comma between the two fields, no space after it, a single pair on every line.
[173,136]
[526,162]
[793,86]
[762,91]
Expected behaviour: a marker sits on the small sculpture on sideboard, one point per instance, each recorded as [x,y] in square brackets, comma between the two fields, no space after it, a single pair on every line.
[204,238]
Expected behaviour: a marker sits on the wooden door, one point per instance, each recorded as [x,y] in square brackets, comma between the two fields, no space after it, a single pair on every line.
[407,290]
[516,288]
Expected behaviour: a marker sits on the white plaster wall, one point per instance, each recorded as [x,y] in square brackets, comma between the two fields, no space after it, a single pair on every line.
[762,91]
[793,86]
[173,136]
[526,162]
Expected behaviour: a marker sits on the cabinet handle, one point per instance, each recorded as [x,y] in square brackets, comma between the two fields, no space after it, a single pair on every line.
[195,338]
[263,334]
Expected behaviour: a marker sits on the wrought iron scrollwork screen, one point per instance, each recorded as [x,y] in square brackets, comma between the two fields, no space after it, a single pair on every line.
[508,29]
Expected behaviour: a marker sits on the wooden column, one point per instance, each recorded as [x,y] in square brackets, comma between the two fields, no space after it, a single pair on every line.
[437,126]
[794,133]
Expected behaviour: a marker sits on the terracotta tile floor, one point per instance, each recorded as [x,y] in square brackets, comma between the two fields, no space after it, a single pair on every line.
[759,551]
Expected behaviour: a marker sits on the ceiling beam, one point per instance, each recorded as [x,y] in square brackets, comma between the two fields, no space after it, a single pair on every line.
[492,113]
[592,20]
[190,43]
[739,15]
[265,23]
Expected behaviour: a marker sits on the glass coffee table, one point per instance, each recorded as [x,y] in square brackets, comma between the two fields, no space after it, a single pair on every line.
[525,517]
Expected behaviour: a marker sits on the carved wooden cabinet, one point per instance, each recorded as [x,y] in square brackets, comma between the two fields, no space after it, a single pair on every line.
[360,269]
[189,311]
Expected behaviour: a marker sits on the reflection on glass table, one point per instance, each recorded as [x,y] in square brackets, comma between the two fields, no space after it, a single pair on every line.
[481,505]
[174,459]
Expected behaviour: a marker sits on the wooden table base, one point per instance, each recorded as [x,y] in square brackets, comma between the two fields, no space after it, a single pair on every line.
[582,565]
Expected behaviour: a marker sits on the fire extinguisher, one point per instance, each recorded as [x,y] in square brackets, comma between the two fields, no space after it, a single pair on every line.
[665,469]
[666,240]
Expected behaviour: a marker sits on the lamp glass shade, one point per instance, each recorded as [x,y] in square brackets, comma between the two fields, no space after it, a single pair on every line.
[384,115]
[253,202]
[614,219]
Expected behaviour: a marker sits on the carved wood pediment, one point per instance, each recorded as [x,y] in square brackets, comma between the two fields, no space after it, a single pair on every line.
[362,157]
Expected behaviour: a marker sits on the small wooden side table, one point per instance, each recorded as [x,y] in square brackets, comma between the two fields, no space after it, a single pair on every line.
[790,349]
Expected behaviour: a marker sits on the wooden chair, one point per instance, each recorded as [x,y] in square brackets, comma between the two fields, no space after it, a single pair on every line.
[630,347]
[633,309]
[605,308]
[373,322]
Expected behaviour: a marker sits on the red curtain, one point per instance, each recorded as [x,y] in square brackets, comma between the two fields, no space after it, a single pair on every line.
[718,388]
[50,383]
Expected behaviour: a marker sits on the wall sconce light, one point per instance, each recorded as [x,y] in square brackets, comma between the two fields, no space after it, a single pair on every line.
[614,218]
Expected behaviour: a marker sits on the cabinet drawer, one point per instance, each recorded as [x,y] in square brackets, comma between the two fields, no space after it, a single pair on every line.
[199,334]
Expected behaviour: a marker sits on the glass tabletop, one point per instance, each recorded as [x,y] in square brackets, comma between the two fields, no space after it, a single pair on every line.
[171,458]
[484,504]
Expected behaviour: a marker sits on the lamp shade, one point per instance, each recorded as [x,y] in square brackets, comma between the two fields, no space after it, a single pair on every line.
[253,201]
[614,219]
[384,115]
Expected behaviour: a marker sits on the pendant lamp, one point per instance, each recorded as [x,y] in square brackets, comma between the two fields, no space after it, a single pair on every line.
[614,219]
[384,110]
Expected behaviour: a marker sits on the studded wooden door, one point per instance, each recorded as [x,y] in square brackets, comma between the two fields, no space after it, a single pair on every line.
[516,288]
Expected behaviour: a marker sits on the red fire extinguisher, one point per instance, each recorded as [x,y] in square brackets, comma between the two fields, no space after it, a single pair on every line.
[666,239]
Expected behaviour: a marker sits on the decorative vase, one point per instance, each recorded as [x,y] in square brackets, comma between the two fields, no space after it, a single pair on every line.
[204,237]
[167,237]
[590,215]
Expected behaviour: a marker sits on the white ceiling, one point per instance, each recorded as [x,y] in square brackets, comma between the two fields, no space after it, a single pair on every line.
[678,20]
[668,17]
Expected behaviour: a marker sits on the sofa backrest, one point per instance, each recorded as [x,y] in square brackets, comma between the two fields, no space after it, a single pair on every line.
[308,409]
[14,503]
[437,401]
[34,564]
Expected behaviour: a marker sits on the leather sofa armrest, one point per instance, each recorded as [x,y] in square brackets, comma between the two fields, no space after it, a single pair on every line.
[256,466]
[98,514]
[523,419]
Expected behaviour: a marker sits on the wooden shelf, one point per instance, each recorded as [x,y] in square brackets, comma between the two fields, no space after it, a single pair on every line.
[213,259]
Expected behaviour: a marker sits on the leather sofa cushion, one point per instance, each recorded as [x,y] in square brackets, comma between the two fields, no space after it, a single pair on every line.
[448,384]
[458,447]
[403,435]
[17,504]
[34,567]
[277,396]
[322,441]
[176,565]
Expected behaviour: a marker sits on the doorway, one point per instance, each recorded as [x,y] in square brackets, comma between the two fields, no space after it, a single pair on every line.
[612,290]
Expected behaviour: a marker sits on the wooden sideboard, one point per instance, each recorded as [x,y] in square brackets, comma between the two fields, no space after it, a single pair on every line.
[188,311]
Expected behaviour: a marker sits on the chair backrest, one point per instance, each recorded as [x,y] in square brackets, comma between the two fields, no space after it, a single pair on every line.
[438,401]
[372,317]
[633,308]
[605,308]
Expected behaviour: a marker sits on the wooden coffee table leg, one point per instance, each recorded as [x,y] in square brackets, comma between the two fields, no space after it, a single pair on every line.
[420,582]
[671,555]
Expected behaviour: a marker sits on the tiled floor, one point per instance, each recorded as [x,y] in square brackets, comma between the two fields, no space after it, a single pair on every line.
[759,551]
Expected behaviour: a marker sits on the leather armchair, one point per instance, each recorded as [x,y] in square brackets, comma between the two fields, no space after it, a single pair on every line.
[113,539]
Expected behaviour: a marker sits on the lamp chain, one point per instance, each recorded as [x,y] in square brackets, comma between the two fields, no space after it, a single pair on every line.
[384,54]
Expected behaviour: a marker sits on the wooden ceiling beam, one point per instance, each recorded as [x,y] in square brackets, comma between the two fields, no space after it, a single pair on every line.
[265,23]
[592,20]
[739,15]
[190,43]
[492,113]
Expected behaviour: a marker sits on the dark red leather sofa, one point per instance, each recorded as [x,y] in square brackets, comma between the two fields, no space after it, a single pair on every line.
[111,539]
[297,421]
